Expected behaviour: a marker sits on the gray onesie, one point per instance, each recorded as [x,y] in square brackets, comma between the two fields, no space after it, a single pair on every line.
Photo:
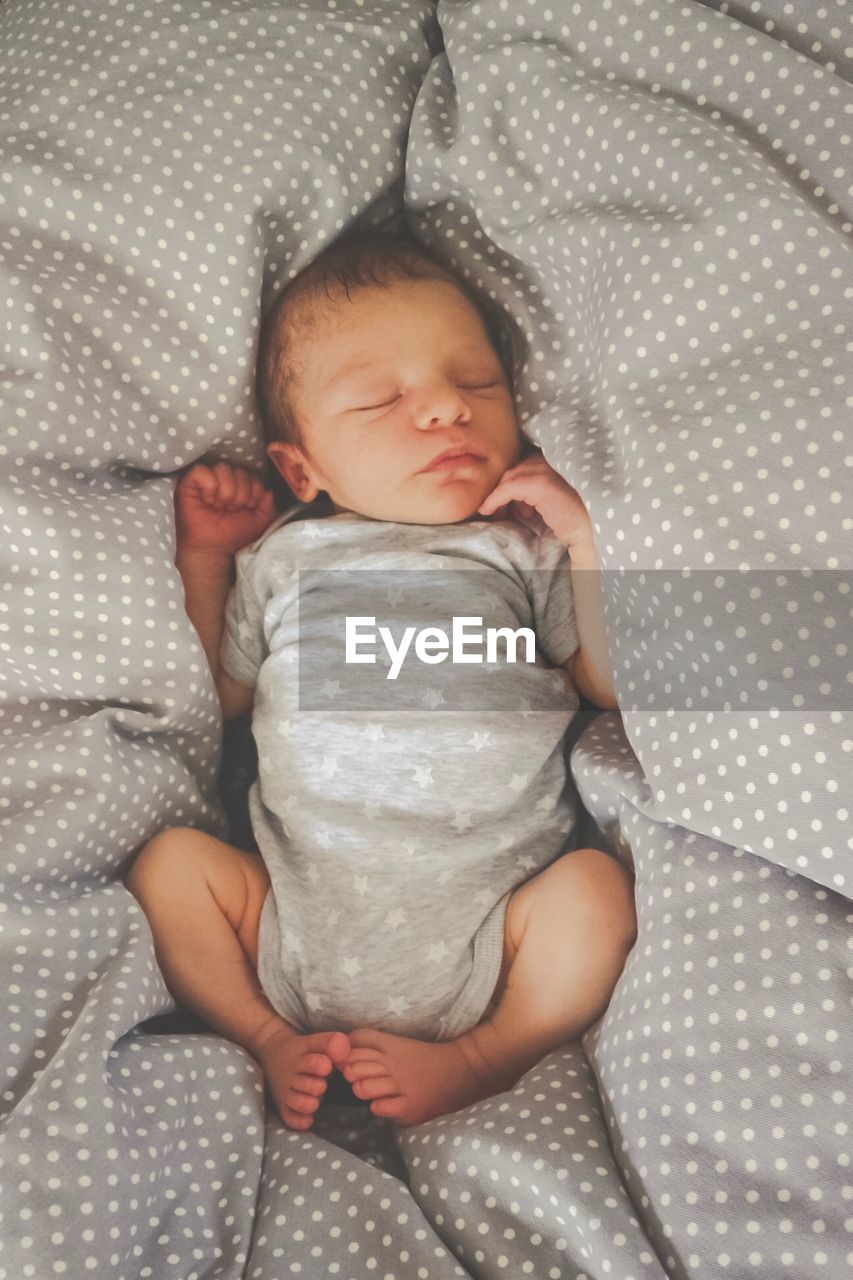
[395,817]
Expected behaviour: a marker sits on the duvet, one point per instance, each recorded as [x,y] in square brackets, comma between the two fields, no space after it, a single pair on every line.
[658,192]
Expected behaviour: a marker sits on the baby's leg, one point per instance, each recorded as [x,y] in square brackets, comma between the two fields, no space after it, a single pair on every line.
[568,931]
[203,901]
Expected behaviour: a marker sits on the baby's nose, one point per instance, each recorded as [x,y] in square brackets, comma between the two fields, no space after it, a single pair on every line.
[440,405]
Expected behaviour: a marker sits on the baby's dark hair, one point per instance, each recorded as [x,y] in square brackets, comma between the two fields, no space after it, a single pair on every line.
[355,260]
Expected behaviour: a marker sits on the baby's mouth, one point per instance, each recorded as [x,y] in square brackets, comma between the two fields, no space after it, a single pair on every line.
[460,457]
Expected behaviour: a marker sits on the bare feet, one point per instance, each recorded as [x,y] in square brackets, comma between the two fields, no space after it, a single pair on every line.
[297,1069]
[410,1081]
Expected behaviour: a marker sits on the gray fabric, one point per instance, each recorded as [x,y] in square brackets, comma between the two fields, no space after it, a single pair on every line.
[718,1141]
[660,203]
[563,1210]
[396,816]
[724,1059]
[659,194]
[165,167]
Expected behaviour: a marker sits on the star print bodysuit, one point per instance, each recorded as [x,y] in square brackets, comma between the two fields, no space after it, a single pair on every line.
[396,816]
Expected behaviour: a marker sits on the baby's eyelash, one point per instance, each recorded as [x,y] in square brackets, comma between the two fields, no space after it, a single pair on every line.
[365,407]
[473,386]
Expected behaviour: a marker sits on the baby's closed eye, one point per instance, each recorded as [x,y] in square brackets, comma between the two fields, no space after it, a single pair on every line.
[381,405]
[386,402]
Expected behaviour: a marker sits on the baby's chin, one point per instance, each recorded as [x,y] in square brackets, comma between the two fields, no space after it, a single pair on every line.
[451,509]
[451,505]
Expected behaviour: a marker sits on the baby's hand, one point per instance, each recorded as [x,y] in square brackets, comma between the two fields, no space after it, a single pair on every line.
[534,486]
[221,508]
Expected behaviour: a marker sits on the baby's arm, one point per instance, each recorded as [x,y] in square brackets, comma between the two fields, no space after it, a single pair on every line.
[218,510]
[589,665]
[535,485]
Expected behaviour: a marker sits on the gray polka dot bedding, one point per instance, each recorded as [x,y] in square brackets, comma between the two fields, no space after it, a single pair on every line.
[656,192]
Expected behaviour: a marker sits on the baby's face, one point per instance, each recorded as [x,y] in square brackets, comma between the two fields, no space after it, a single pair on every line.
[390,380]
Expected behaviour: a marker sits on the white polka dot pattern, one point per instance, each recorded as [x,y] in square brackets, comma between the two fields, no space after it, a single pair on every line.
[657,192]
[525,1184]
[724,1058]
[660,194]
[167,164]
[341,1210]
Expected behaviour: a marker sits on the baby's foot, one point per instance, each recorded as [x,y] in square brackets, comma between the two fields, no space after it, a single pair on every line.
[297,1069]
[410,1081]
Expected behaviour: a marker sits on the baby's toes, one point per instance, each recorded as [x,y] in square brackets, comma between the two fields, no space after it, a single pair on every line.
[391,1108]
[304,1104]
[337,1046]
[364,1069]
[378,1087]
[295,1120]
[316,1064]
[316,1086]
[361,1055]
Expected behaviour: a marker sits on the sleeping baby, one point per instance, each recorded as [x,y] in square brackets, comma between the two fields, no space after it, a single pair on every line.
[418,919]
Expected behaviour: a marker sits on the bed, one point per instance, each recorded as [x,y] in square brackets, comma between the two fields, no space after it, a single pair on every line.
[658,192]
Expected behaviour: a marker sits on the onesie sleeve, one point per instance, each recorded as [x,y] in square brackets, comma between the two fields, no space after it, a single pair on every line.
[552,599]
[243,648]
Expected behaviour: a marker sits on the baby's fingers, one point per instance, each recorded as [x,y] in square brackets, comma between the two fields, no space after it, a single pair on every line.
[251,493]
[506,491]
[227,484]
[198,482]
[242,490]
[261,498]
[237,488]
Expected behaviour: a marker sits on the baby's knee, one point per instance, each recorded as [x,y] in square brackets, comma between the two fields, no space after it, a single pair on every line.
[606,893]
[592,892]
[590,871]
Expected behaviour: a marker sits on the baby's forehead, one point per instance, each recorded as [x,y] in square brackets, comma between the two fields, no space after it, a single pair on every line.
[316,338]
[322,312]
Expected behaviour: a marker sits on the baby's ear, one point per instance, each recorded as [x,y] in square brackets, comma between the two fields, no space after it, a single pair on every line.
[290,462]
